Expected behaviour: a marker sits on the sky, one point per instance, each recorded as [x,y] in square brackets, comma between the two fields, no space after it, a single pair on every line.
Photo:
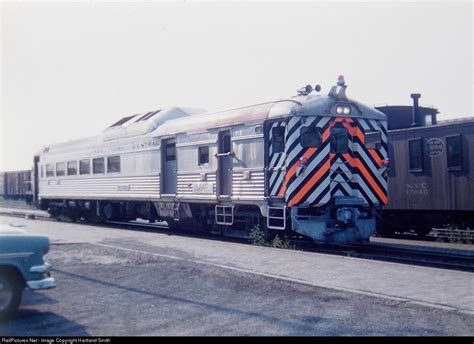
[69,70]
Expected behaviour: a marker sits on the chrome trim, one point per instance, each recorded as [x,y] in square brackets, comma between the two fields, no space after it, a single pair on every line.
[46,283]
[41,268]
[196,143]
[16,255]
[247,137]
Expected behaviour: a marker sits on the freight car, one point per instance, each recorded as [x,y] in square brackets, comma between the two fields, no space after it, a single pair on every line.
[431,180]
[16,185]
[311,164]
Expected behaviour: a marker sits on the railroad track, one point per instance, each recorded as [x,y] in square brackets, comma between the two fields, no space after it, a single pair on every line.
[429,258]
[381,252]
[451,235]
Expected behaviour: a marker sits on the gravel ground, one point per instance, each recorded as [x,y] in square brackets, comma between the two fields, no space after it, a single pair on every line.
[107,291]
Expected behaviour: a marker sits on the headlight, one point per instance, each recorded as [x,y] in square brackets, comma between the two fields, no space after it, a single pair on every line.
[343,110]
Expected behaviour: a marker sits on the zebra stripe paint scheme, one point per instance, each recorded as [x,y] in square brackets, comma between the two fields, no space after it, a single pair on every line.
[315,175]
[276,163]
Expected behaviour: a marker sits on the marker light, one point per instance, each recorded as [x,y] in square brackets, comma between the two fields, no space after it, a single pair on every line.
[340,80]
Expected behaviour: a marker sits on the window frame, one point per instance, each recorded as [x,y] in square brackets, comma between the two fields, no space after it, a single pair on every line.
[320,136]
[119,164]
[200,162]
[53,170]
[282,144]
[461,162]
[88,167]
[422,151]
[63,172]
[166,151]
[331,140]
[93,165]
[68,168]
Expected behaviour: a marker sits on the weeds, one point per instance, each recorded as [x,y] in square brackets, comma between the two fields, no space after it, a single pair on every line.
[279,243]
[257,237]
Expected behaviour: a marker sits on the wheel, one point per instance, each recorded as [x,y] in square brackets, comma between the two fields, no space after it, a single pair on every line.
[11,290]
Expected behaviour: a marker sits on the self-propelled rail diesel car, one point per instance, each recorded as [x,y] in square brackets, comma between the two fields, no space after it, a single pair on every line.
[311,164]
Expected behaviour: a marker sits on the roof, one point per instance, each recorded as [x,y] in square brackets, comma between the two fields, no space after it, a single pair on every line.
[309,105]
[142,124]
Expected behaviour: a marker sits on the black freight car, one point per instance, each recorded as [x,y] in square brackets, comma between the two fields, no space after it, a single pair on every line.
[431,180]
[16,185]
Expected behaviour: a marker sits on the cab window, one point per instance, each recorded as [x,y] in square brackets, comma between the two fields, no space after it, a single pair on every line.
[278,140]
[310,137]
[339,140]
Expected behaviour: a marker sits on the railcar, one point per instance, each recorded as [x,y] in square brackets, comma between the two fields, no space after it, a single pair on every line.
[16,185]
[430,183]
[312,165]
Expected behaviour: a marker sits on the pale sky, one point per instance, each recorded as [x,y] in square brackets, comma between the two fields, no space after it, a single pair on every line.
[69,70]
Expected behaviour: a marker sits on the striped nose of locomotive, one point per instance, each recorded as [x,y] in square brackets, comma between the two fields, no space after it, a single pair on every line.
[336,155]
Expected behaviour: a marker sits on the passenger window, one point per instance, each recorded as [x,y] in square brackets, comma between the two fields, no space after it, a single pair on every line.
[373,140]
[170,152]
[113,164]
[72,168]
[203,155]
[454,152]
[60,169]
[49,170]
[41,170]
[85,166]
[98,165]
[339,140]
[310,137]
[278,140]
[415,153]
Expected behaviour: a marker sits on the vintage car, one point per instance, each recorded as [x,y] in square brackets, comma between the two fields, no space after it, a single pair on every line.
[21,266]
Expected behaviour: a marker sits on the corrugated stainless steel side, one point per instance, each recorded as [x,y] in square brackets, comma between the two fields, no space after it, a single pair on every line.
[186,180]
[123,187]
[252,188]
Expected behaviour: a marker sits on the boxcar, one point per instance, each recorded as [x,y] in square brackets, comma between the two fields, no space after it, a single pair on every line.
[430,182]
[16,185]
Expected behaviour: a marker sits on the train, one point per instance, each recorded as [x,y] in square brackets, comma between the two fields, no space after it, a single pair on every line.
[320,166]
[311,165]
[430,179]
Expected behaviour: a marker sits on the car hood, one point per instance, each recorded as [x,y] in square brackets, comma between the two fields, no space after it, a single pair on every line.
[14,239]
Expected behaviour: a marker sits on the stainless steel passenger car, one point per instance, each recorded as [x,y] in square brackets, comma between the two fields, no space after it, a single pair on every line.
[311,164]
